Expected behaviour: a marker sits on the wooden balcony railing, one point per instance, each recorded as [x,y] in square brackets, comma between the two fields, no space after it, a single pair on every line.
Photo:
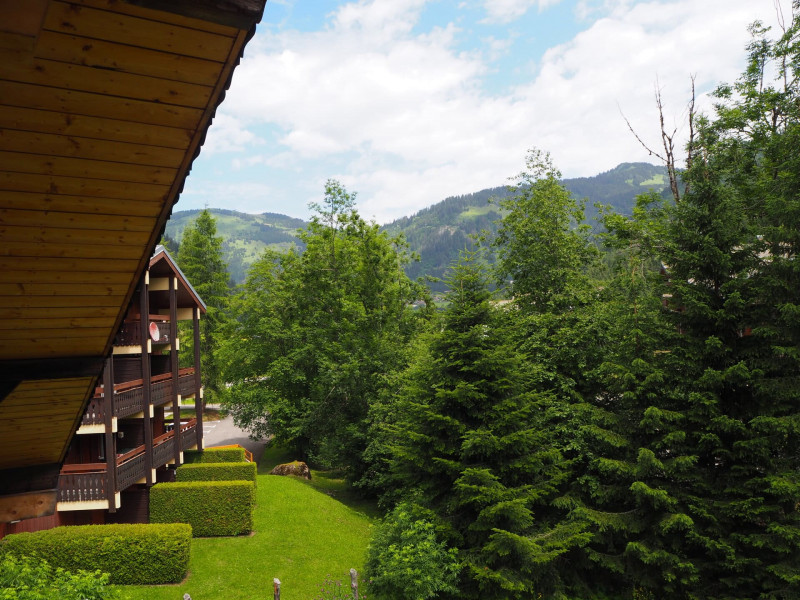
[189,434]
[85,482]
[82,483]
[128,396]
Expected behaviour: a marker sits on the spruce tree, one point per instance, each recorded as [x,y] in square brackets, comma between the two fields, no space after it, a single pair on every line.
[200,259]
[471,448]
[733,250]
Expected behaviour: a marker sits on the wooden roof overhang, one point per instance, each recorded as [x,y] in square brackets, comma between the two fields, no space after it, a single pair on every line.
[104,104]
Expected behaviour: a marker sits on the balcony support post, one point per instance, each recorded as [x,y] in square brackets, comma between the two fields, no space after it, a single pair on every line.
[109,441]
[173,356]
[198,400]
[144,310]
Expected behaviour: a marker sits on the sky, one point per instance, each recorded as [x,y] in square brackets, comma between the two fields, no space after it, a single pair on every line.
[408,102]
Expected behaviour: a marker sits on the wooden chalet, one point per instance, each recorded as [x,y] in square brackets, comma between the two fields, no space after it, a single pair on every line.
[134,436]
[103,106]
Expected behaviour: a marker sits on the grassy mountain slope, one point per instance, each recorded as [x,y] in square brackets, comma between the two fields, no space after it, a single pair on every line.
[244,236]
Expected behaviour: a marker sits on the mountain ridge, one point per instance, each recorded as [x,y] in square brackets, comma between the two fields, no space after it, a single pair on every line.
[436,233]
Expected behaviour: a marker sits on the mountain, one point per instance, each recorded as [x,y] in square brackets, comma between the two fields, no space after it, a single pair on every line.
[436,233]
[244,236]
[439,232]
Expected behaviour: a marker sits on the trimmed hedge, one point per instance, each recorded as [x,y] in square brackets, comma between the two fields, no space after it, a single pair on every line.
[213,455]
[141,554]
[212,508]
[224,471]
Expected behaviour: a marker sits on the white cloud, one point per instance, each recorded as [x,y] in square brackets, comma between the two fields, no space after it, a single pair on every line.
[505,11]
[228,134]
[402,116]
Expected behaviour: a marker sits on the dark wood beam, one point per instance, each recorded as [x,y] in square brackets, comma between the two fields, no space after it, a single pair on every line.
[241,14]
[67,367]
[144,310]
[29,479]
[173,357]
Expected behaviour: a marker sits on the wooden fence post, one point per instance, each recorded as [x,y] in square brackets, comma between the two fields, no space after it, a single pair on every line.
[276,583]
[354,583]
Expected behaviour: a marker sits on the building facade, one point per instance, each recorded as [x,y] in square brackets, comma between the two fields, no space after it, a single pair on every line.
[132,434]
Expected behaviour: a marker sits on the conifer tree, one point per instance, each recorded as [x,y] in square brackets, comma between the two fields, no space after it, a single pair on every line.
[697,495]
[200,259]
[733,255]
[471,448]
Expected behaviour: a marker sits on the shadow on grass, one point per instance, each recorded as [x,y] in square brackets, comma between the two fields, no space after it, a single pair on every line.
[331,483]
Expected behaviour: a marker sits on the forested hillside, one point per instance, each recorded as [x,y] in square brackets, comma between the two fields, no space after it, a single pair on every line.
[245,236]
[436,234]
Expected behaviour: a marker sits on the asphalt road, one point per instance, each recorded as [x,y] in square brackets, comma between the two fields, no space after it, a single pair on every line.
[224,433]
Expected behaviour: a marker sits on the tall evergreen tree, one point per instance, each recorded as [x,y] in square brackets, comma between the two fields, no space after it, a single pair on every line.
[733,255]
[471,448]
[200,259]
[697,495]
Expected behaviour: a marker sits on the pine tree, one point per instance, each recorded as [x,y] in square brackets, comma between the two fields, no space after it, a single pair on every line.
[200,259]
[471,448]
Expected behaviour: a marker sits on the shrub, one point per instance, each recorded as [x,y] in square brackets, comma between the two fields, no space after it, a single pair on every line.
[212,508]
[222,471]
[131,554]
[213,455]
[27,578]
[405,560]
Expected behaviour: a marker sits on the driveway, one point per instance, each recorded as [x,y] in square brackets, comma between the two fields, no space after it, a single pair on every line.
[225,433]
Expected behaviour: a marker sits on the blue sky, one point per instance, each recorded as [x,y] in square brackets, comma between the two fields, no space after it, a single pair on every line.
[407,102]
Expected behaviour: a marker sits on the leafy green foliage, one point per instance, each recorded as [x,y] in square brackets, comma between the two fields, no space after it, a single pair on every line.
[213,455]
[406,560]
[314,333]
[224,471]
[130,554]
[212,508]
[27,578]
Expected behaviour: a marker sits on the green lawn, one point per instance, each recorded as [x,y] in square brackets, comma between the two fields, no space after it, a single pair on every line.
[304,531]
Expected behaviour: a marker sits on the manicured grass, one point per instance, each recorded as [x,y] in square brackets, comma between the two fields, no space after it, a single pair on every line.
[303,533]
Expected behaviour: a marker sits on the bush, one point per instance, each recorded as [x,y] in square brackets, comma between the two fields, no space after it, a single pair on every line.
[222,471]
[131,554]
[213,455]
[405,560]
[212,508]
[26,578]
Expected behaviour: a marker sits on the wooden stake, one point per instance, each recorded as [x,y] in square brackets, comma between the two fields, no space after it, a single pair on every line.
[354,583]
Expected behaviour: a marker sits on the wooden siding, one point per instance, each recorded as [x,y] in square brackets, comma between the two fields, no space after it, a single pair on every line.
[103,107]
[56,402]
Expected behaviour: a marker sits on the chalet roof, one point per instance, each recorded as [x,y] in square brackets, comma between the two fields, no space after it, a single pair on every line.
[162,264]
[104,104]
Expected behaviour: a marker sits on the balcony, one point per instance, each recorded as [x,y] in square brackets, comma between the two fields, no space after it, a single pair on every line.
[128,396]
[81,483]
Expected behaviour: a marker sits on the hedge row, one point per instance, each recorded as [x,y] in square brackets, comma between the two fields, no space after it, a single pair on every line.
[212,508]
[141,554]
[224,471]
[213,455]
